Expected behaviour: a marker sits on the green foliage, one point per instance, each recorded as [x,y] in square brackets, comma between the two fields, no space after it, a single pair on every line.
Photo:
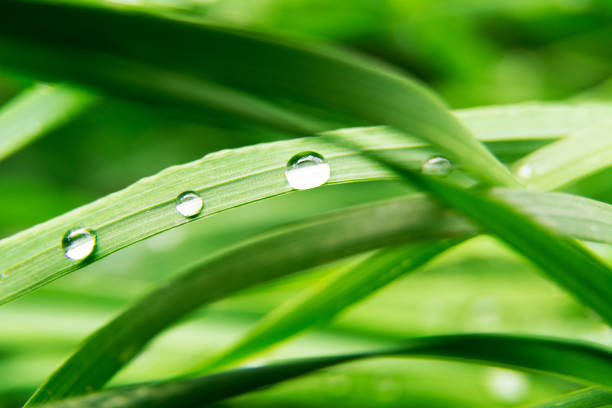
[578,361]
[387,259]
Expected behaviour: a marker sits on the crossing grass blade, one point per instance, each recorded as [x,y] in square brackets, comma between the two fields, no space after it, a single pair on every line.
[563,162]
[300,313]
[582,362]
[38,110]
[328,298]
[225,180]
[269,256]
[241,176]
[533,120]
[126,53]
[591,397]
[562,259]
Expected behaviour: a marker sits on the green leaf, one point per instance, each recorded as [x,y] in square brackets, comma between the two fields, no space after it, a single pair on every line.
[327,298]
[533,120]
[38,110]
[268,256]
[224,180]
[286,250]
[566,161]
[578,361]
[235,177]
[591,397]
[137,55]
[563,260]
[346,287]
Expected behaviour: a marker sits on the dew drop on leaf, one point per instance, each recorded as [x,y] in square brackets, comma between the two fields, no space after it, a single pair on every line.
[78,243]
[437,166]
[189,204]
[307,170]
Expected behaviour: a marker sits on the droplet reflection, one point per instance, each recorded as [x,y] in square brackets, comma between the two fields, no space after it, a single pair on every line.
[189,204]
[79,243]
[307,170]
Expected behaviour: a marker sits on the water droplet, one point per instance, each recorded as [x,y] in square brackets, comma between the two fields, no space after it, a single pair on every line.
[525,171]
[189,204]
[506,385]
[307,170]
[78,243]
[437,166]
[3,275]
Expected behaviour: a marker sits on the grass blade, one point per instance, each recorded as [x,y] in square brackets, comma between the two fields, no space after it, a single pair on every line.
[591,397]
[339,235]
[224,180]
[564,162]
[529,120]
[328,298]
[367,227]
[38,110]
[578,361]
[563,260]
[300,313]
[126,53]
[241,176]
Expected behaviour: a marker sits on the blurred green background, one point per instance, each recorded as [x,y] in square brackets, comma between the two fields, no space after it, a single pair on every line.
[471,52]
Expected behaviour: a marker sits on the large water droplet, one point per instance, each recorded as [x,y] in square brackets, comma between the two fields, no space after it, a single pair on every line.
[189,204]
[307,170]
[78,243]
[437,166]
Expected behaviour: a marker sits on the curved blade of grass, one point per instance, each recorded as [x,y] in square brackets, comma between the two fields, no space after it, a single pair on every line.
[268,256]
[591,397]
[36,111]
[532,120]
[286,250]
[225,180]
[572,215]
[127,53]
[327,298]
[578,361]
[33,258]
[566,161]
[563,260]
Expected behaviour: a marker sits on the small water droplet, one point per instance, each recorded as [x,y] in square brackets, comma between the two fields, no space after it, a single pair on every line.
[3,275]
[189,204]
[525,171]
[437,166]
[307,170]
[78,243]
